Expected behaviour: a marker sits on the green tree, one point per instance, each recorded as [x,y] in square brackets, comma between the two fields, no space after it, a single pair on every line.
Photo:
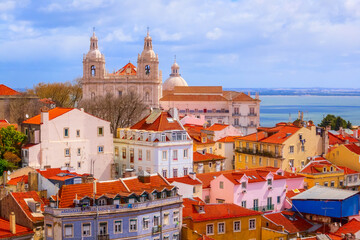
[335,122]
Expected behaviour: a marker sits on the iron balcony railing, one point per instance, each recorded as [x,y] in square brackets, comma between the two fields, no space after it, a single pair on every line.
[103,237]
[257,152]
[264,208]
[156,229]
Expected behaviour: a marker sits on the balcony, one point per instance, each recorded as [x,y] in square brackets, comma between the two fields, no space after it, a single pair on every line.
[252,125]
[252,114]
[263,153]
[156,229]
[264,208]
[103,237]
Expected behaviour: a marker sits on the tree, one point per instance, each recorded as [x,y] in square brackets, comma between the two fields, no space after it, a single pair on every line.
[335,122]
[122,111]
[66,94]
[24,107]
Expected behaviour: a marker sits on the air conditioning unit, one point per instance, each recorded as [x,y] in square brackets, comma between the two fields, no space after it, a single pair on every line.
[270,188]
[243,191]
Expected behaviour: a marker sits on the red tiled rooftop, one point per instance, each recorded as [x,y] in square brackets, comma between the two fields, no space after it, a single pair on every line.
[19,198]
[348,170]
[317,166]
[53,113]
[186,179]
[353,148]
[217,127]
[6,91]
[14,181]
[353,226]
[20,230]
[214,211]
[124,71]
[161,123]
[294,192]
[53,173]
[228,139]
[298,224]
[199,157]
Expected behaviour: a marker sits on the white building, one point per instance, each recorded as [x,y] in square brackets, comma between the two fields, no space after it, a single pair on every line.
[156,144]
[69,137]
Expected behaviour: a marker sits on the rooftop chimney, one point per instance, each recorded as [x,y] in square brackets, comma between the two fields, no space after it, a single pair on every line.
[12,223]
[44,115]
[192,175]
[144,176]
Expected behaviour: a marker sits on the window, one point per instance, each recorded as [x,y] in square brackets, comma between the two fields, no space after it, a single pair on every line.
[236,121]
[185,171]
[220,146]
[209,229]
[302,148]
[247,146]
[118,226]
[237,226]
[93,71]
[253,160]
[103,228]
[175,155]
[186,153]
[86,230]
[131,155]
[210,164]
[133,225]
[175,172]
[176,236]
[146,223]
[164,173]
[221,185]
[49,231]
[269,203]
[243,204]
[326,184]
[269,181]
[332,184]
[140,154]
[164,155]
[221,228]
[210,150]
[291,163]
[166,219]
[100,131]
[68,230]
[67,152]
[116,150]
[176,217]
[100,149]
[124,153]
[66,132]
[278,199]
[256,204]
[77,133]
[243,185]
[147,155]
[341,183]
[163,137]
[291,149]
[246,158]
[260,161]
[156,220]
[79,164]
[252,224]
[79,151]
[102,202]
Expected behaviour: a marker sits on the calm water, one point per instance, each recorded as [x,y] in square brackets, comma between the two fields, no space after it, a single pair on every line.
[275,109]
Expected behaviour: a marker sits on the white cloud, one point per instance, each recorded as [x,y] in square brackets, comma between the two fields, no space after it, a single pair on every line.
[215,34]
[118,35]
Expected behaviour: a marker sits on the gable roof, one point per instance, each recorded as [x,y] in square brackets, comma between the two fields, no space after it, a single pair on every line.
[217,127]
[20,197]
[123,71]
[228,139]
[16,180]
[353,148]
[185,179]
[58,174]
[317,166]
[199,157]
[291,221]
[214,211]
[158,121]
[6,91]
[53,113]
[124,187]
[20,230]
[353,226]
[324,193]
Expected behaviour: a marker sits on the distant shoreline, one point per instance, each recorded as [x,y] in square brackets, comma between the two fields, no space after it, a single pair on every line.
[299,91]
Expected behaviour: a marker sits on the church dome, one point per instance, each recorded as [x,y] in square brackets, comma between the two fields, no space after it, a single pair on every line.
[175,79]
[94,51]
[94,54]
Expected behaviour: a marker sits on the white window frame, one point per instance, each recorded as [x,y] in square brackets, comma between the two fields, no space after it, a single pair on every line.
[101,149]
[218,226]
[164,155]
[82,229]
[234,228]
[146,219]
[102,131]
[67,131]
[136,225]
[49,233]
[210,233]
[65,152]
[175,154]
[250,224]
[72,230]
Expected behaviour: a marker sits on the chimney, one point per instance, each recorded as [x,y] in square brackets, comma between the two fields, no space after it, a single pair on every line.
[33,181]
[129,173]
[94,187]
[44,115]
[174,113]
[144,176]
[192,175]
[12,223]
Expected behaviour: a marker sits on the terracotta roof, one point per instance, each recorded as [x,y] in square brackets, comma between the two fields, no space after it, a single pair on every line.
[317,166]
[29,145]
[193,98]
[353,226]
[238,96]
[217,127]
[162,123]
[206,178]
[123,71]
[198,89]
[294,192]
[3,121]
[124,187]
[20,199]
[53,113]
[199,157]
[333,139]
[14,181]
[291,221]
[58,174]
[348,170]
[278,134]
[228,139]
[214,211]
[186,179]
[5,230]
[6,91]
[353,148]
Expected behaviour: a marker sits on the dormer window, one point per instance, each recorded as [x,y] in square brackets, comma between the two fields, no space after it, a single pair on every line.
[269,181]
[163,194]
[331,169]
[324,169]
[163,137]
[243,185]
[101,201]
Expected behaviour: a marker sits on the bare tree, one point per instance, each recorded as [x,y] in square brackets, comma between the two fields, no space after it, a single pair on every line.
[122,111]
[24,107]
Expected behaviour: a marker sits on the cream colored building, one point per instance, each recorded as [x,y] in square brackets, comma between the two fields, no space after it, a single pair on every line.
[144,80]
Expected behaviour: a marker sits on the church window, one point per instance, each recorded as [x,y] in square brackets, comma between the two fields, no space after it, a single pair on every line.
[93,71]
[92,95]
[147,97]
[147,69]
[120,93]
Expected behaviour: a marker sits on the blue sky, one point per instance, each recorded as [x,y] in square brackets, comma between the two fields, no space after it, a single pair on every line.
[255,43]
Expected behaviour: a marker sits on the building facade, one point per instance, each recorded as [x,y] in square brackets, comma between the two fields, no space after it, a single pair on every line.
[69,137]
[143,207]
[156,144]
[144,80]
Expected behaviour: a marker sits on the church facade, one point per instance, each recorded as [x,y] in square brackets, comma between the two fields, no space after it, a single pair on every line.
[145,80]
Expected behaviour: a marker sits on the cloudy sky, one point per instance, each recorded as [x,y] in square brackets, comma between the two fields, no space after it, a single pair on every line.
[255,43]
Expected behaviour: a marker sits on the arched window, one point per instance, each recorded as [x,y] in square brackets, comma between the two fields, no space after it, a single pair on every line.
[147,69]
[92,95]
[93,70]
[147,97]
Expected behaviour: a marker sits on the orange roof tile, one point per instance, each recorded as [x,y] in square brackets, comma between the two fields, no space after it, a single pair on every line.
[124,71]
[317,166]
[214,211]
[228,139]
[53,113]
[278,134]
[353,148]
[53,173]
[161,123]
[217,127]
[20,230]
[293,193]
[20,199]
[15,181]
[348,170]
[199,157]
[291,221]
[333,139]
[6,91]
[186,179]
[353,226]
[193,98]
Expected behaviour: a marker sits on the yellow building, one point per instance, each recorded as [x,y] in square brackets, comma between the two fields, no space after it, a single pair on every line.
[347,155]
[201,141]
[322,172]
[219,221]
[207,162]
[286,146]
